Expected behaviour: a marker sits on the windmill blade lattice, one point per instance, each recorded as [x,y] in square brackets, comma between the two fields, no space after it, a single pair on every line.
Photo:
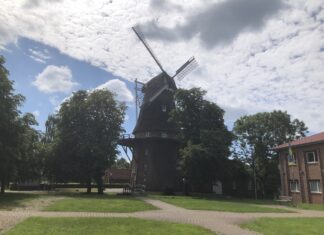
[141,37]
[186,68]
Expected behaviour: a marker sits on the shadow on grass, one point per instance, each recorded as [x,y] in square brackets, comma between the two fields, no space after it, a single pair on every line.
[9,201]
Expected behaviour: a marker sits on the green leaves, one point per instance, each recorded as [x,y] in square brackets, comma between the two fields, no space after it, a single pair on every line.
[18,140]
[204,138]
[256,135]
[85,132]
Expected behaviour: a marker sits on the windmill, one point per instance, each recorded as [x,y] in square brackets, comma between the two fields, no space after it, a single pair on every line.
[154,145]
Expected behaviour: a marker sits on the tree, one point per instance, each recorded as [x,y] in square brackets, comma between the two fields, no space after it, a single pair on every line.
[30,162]
[121,163]
[204,138]
[256,135]
[9,126]
[86,130]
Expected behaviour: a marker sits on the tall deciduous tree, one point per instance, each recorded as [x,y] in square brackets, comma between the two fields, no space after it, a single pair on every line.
[204,138]
[256,135]
[84,134]
[9,126]
[30,161]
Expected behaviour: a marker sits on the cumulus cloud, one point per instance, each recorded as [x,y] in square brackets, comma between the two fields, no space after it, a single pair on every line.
[55,79]
[119,88]
[267,57]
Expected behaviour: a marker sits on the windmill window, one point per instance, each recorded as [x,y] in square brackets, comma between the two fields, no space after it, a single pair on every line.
[146,152]
[311,157]
[147,134]
[164,135]
[164,108]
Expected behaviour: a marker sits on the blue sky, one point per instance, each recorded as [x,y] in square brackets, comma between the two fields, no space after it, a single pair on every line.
[254,55]
[24,67]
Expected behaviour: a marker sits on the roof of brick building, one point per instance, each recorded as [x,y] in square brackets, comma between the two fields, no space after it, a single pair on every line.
[304,141]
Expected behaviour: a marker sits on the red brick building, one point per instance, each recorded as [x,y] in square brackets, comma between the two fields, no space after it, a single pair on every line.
[302,175]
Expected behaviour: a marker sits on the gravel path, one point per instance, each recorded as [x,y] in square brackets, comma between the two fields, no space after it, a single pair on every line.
[220,222]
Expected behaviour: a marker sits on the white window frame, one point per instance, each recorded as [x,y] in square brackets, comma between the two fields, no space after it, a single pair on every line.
[314,156]
[164,108]
[317,184]
[294,186]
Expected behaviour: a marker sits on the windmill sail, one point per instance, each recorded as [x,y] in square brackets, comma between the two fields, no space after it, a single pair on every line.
[141,37]
[186,68]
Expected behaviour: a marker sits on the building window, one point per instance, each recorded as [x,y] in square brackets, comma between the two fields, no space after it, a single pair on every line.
[147,134]
[294,185]
[164,108]
[315,186]
[311,157]
[146,152]
[291,159]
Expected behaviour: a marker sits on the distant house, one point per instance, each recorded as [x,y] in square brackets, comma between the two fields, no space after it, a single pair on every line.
[302,175]
[117,176]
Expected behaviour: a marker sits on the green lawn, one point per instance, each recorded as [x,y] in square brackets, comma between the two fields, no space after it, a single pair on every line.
[217,204]
[306,206]
[96,226]
[287,226]
[100,203]
[9,201]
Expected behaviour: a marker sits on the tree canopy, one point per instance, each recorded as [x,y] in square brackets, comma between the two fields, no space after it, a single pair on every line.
[83,136]
[204,138]
[18,140]
[256,135]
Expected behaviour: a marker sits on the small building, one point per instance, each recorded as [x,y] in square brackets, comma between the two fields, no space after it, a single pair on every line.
[302,173]
[117,176]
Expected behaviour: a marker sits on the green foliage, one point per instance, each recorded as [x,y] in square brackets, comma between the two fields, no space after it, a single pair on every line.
[121,163]
[256,135]
[287,226]
[107,226]
[82,137]
[204,138]
[18,140]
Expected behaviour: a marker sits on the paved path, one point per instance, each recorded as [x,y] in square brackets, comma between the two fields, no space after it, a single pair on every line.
[220,222]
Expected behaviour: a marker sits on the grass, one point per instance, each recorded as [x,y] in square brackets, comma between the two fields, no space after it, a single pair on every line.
[287,226]
[96,226]
[99,203]
[9,201]
[218,204]
[307,206]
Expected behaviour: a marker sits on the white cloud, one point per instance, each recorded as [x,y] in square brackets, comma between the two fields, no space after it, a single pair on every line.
[276,66]
[39,56]
[119,88]
[36,113]
[55,79]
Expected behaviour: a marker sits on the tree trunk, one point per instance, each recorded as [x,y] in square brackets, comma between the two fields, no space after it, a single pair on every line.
[89,186]
[100,185]
[3,186]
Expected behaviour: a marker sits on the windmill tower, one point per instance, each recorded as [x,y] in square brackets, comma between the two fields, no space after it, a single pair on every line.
[154,145]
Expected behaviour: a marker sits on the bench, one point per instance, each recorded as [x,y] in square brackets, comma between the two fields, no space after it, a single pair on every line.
[284,199]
